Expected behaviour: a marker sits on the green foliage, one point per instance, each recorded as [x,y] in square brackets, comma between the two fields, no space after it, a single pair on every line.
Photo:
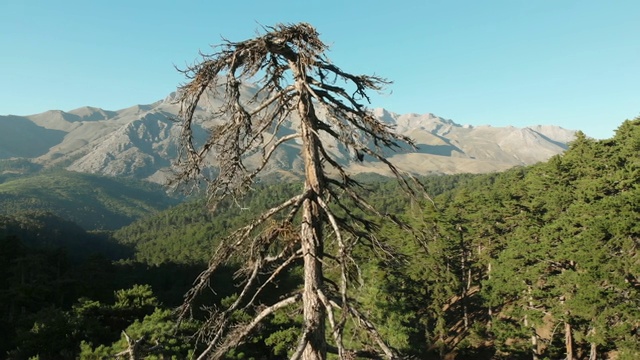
[189,232]
[158,328]
[15,168]
[45,230]
[493,260]
[92,201]
[570,250]
[53,333]
[48,337]
[39,282]
[502,257]
[138,297]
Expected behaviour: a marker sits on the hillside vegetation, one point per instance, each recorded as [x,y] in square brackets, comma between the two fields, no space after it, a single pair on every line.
[188,233]
[540,260]
[91,201]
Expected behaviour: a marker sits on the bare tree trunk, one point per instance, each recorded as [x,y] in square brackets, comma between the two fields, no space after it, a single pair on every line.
[534,344]
[132,350]
[313,309]
[466,301]
[463,281]
[568,339]
[489,310]
[311,232]
[534,339]
[593,352]
[534,334]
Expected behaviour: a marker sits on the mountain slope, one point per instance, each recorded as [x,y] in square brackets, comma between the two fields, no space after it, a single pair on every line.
[141,142]
[21,137]
[92,201]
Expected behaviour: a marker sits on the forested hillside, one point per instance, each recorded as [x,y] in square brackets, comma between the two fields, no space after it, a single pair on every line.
[91,201]
[188,233]
[541,260]
[60,286]
[538,261]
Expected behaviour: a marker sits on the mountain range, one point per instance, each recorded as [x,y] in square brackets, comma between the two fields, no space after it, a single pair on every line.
[141,142]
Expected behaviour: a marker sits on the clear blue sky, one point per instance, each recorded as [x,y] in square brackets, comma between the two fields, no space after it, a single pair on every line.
[511,62]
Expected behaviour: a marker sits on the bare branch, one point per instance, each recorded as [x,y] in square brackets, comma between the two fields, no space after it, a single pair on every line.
[239,334]
[231,244]
[371,329]
[274,273]
[336,328]
[302,344]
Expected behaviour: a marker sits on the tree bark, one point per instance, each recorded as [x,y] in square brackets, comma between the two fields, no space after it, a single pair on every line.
[313,310]
[568,339]
[534,334]
[463,281]
[311,229]
[534,339]
[489,309]
[593,351]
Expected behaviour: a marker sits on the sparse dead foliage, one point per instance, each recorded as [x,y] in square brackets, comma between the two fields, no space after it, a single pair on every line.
[318,228]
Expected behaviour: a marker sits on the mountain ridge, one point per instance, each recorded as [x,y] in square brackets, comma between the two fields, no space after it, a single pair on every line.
[141,142]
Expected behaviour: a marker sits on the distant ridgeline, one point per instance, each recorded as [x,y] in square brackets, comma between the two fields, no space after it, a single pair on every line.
[496,266]
[141,142]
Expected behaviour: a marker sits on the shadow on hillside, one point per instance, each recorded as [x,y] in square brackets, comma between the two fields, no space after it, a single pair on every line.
[19,137]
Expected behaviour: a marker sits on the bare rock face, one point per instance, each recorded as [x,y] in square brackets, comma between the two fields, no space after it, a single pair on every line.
[447,147]
[141,142]
[137,149]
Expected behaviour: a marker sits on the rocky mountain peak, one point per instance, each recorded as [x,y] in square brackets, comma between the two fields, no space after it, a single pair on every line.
[89,113]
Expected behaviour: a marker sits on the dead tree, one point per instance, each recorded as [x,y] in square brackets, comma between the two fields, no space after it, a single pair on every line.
[136,348]
[294,79]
